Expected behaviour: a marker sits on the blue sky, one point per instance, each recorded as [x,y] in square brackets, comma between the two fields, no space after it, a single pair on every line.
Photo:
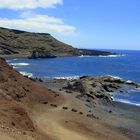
[107,24]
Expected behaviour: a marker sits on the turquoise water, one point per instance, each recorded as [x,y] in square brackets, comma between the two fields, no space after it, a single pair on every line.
[126,66]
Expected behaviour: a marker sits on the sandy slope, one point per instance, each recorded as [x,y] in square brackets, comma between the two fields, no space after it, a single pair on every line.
[31,112]
[63,124]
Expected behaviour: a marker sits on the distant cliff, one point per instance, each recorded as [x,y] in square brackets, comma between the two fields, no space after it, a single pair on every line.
[37,45]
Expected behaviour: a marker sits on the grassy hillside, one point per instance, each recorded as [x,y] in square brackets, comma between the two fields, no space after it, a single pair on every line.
[38,44]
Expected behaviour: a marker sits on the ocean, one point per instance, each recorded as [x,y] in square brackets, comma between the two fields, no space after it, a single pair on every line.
[126,65]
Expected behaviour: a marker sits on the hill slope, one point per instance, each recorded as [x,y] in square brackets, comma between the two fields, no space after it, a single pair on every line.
[36,45]
[30,111]
[20,42]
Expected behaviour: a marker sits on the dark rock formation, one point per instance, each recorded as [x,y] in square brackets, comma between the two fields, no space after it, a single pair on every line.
[95,52]
[98,88]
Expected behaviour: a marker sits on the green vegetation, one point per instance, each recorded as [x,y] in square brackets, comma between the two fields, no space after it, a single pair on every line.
[38,45]
[33,44]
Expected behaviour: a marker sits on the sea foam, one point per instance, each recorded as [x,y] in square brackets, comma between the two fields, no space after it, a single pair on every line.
[85,56]
[67,77]
[20,64]
[126,102]
[104,56]
[24,73]
[119,55]
[129,81]
[15,59]
[115,77]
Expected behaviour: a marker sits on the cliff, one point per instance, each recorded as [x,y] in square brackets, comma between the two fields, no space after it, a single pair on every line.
[37,45]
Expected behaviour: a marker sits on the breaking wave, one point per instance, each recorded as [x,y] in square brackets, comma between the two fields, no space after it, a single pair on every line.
[126,102]
[112,55]
[67,77]
[104,56]
[24,73]
[20,64]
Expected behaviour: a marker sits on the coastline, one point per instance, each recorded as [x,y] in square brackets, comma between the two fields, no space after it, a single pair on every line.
[59,83]
[120,115]
[50,90]
[14,56]
[30,75]
[101,54]
[73,116]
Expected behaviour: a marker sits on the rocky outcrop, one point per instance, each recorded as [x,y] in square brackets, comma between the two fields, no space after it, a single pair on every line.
[95,52]
[37,45]
[99,87]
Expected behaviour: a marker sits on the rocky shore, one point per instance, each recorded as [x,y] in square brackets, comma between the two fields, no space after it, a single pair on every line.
[78,109]
[92,88]
[100,87]
[96,94]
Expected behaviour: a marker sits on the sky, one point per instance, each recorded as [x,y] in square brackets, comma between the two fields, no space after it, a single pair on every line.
[95,24]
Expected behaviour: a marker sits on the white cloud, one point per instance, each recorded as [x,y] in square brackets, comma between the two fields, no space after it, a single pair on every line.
[32,22]
[28,4]
[38,23]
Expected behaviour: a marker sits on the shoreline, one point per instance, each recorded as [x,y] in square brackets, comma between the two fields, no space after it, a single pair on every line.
[82,53]
[48,82]
[120,115]
[127,103]
[30,75]
[20,56]
[68,106]
[14,56]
